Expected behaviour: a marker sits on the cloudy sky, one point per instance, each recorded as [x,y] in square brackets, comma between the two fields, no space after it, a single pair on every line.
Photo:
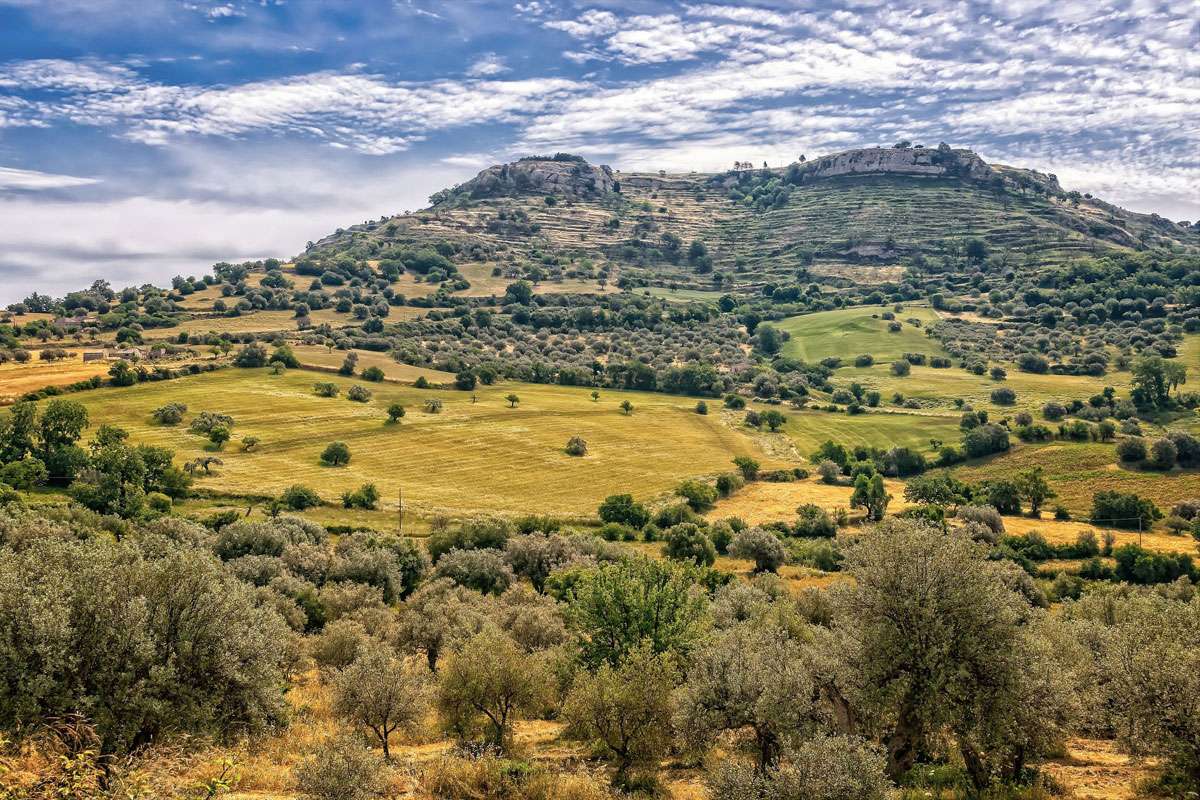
[139,140]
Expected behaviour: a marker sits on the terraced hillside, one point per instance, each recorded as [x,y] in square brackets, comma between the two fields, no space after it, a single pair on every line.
[858,216]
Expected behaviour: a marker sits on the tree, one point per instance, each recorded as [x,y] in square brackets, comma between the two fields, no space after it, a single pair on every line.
[627,407]
[616,608]
[595,395]
[688,543]
[376,692]
[1163,454]
[1131,449]
[823,768]
[699,495]
[1123,510]
[901,368]
[336,454]
[940,489]
[365,497]
[1149,676]
[577,446]
[143,642]
[774,419]
[622,509]
[251,355]
[1035,489]
[923,609]
[17,431]
[359,394]
[465,380]
[625,710]
[753,676]
[438,616]
[1151,383]
[747,466]
[395,412]
[759,545]
[61,425]
[482,570]
[219,435]
[870,494]
[373,374]
[512,400]
[490,682]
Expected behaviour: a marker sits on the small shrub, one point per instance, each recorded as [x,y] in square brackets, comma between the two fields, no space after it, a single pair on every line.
[359,394]
[577,446]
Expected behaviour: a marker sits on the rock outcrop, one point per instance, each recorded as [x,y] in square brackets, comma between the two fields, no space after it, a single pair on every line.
[935,162]
[560,175]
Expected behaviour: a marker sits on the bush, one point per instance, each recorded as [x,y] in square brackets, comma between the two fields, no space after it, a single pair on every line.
[1054,411]
[342,768]
[829,471]
[576,446]
[728,483]
[325,389]
[483,570]
[864,360]
[760,546]
[687,542]
[621,508]
[1162,455]
[300,498]
[364,497]
[1004,396]
[1119,510]
[359,394]
[701,407]
[1131,449]
[170,414]
[473,534]
[373,374]
[26,474]
[813,522]
[985,440]
[901,368]
[700,496]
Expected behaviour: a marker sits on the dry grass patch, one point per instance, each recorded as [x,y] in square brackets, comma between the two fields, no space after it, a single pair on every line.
[317,356]
[761,501]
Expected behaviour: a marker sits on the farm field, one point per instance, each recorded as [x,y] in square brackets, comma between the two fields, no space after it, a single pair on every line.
[17,379]
[682,295]
[942,386]
[763,501]
[848,332]
[471,458]
[323,357]
[1077,471]
[263,321]
[809,428]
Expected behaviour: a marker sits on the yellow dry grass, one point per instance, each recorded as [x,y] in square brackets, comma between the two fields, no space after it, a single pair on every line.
[17,379]
[317,356]
[761,501]
[1065,532]
[481,457]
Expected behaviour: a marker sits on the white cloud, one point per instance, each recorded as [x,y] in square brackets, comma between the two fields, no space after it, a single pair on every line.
[31,180]
[487,66]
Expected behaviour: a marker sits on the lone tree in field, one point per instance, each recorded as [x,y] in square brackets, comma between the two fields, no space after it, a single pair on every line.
[395,411]
[512,400]
[627,407]
[577,446]
[377,693]
[337,454]
[595,395]
[219,435]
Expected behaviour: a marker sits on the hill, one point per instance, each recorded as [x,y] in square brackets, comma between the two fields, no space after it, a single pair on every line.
[846,218]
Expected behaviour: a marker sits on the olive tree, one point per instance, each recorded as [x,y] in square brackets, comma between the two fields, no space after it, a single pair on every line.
[489,684]
[625,710]
[377,693]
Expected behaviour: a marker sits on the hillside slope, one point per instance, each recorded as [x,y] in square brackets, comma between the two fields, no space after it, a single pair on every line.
[856,217]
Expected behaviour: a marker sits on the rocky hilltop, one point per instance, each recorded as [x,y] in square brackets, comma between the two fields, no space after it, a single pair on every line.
[937,162]
[562,175]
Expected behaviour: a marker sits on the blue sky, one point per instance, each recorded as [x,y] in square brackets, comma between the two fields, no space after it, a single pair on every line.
[139,140]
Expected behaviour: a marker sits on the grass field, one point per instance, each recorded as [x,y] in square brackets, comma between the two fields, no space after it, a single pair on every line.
[17,379]
[682,295]
[849,332]
[471,458]
[317,356]
[1077,471]
[762,501]
[939,387]
[809,428]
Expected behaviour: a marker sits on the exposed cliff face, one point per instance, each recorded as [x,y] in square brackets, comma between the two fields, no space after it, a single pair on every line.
[570,177]
[899,161]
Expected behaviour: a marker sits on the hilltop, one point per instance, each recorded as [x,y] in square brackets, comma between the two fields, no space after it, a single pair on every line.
[859,216]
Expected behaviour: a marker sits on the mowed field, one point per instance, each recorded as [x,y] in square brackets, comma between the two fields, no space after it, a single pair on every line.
[481,457]
[849,332]
[317,356]
[1077,471]
[17,379]
[808,428]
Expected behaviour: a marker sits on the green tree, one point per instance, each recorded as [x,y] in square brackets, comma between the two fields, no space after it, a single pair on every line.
[627,407]
[1034,488]
[624,510]
[688,543]
[490,683]
[395,412]
[336,454]
[378,693]
[625,710]
[870,494]
[512,400]
[615,608]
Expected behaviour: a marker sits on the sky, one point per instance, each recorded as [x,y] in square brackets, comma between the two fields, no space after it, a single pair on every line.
[142,140]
